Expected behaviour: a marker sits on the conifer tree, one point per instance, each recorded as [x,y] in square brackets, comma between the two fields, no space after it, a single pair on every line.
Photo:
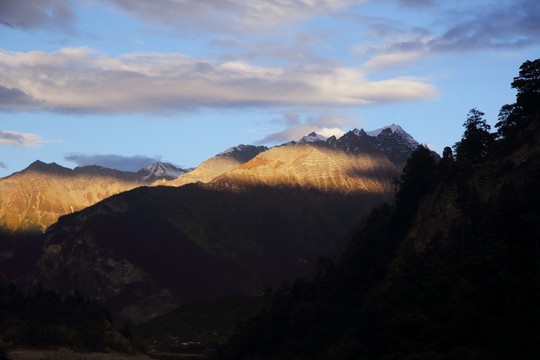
[476,138]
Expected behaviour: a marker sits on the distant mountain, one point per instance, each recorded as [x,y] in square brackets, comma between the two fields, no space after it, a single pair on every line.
[317,167]
[35,197]
[219,164]
[311,137]
[159,171]
[394,142]
[357,161]
[243,153]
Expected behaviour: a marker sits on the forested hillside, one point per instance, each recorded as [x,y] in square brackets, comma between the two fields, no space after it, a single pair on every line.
[450,270]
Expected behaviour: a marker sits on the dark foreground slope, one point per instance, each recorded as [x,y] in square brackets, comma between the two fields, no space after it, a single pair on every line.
[450,271]
[143,252]
[44,320]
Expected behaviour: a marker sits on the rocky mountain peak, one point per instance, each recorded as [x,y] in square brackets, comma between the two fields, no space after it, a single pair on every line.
[51,168]
[312,137]
[159,171]
[243,153]
[395,142]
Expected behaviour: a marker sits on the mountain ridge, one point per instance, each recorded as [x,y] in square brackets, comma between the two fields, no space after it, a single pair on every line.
[35,197]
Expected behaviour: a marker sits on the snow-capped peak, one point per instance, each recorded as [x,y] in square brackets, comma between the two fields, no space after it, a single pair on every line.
[395,129]
[392,127]
[312,137]
[161,170]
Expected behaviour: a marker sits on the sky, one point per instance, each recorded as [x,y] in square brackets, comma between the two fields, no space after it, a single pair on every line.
[126,83]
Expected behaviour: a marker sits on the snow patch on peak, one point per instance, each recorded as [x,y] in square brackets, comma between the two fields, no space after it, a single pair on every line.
[392,127]
[312,137]
[232,149]
[395,129]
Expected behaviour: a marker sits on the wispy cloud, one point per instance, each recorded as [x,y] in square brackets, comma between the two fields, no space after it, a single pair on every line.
[119,162]
[37,14]
[417,4]
[13,138]
[85,81]
[386,61]
[3,165]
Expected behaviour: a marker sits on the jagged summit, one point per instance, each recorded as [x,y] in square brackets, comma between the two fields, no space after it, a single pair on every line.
[391,140]
[395,142]
[397,130]
[392,127]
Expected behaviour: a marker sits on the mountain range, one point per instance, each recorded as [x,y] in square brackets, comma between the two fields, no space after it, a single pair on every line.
[35,197]
[243,220]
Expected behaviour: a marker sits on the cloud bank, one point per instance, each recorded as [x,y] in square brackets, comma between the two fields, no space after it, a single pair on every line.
[85,81]
[118,162]
[454,29]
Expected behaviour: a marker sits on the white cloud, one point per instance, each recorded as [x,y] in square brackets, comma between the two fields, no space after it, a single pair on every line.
[296,132]
[83,80]
[19,139]
[296,127]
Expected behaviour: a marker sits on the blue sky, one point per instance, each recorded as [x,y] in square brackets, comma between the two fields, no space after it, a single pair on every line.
[179,81]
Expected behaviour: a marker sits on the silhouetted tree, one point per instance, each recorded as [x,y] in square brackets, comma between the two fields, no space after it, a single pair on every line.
[528,83]
[516,116]
[476,138]
[416,178]
[447,153]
